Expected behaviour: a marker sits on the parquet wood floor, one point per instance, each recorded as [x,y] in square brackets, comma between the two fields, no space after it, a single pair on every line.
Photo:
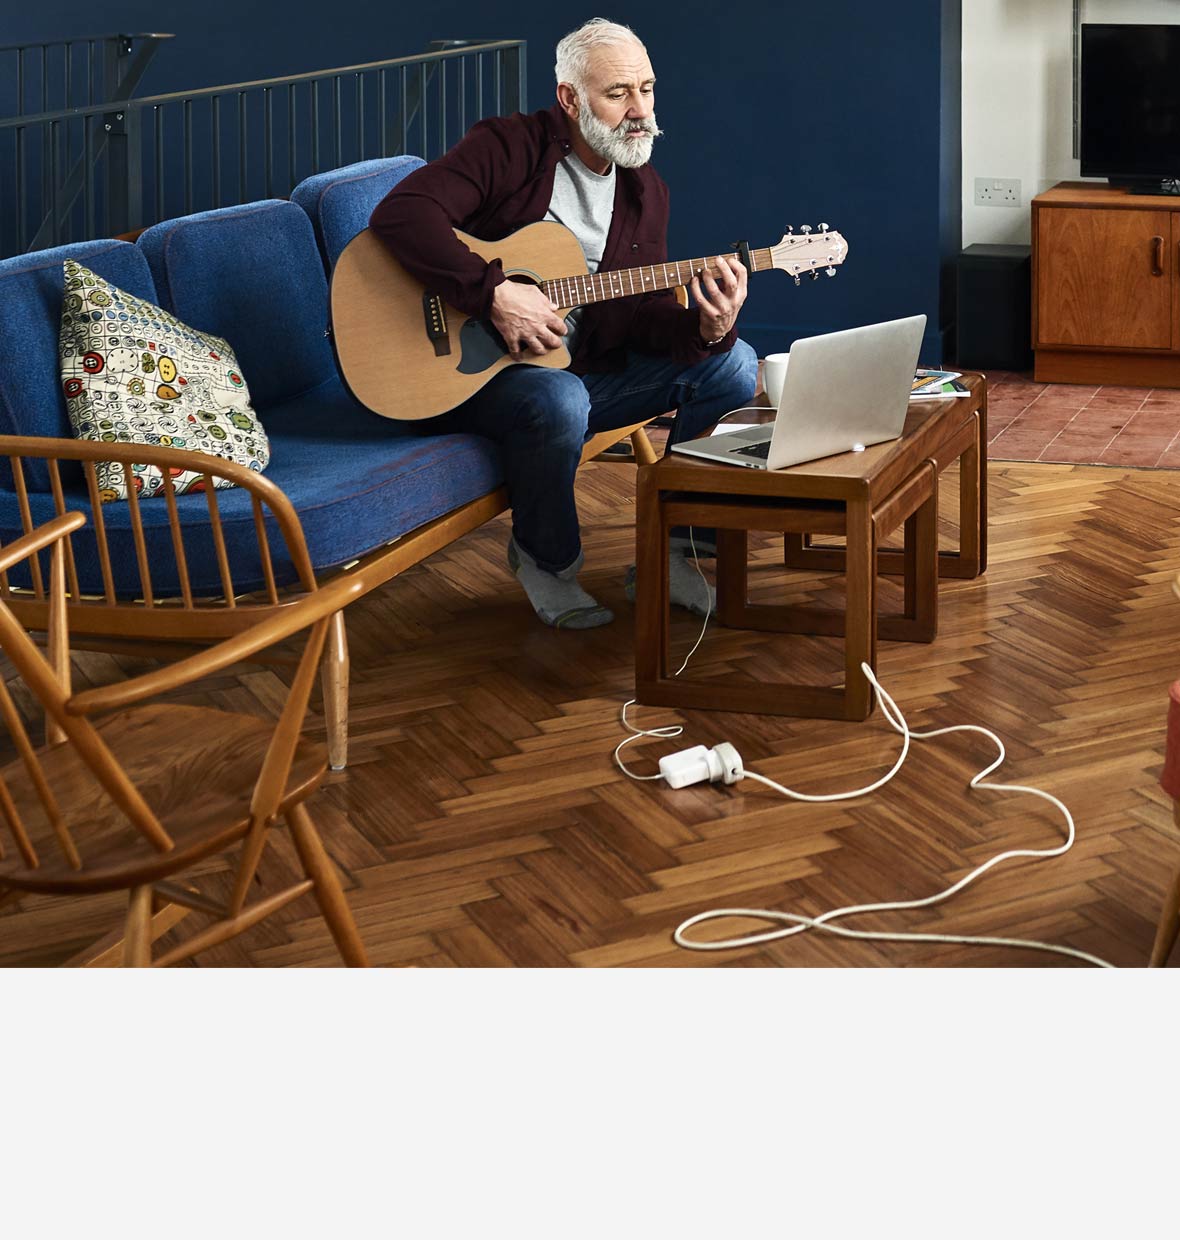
[482,822]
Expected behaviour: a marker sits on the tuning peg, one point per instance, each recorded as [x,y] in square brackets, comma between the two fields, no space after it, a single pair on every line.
[814,275]
[831,271]
[797,281]
[805,229]
[790,230]
[823,228]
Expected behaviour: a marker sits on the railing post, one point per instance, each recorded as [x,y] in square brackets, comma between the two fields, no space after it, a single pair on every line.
[122,44]
[115,127]
[515,79]
[116,143]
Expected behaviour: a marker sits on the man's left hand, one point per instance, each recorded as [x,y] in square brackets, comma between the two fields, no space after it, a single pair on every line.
[719,292]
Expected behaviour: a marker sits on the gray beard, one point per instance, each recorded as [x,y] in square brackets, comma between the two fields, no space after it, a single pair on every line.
[613,145]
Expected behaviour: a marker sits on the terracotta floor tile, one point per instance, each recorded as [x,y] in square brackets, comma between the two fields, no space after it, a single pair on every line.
[1116,419]
[1093,441]
[1160,417]
[1128,439]
[1129,456]
[1143,428]
[1072,454]
[1036,418]
[1137,393]
[1060,399]
[1022,392]
[1080,423]
[1083,391]
[995,429]
[1131,404]
[1017,448]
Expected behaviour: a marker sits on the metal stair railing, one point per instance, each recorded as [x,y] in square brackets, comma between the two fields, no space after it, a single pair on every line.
[62,74]
[100,170]
[71,73]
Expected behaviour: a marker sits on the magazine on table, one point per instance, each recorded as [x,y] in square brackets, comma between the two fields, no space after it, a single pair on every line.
[937,384]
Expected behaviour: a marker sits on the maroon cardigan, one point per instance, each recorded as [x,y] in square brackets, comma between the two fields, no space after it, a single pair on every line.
[498,178]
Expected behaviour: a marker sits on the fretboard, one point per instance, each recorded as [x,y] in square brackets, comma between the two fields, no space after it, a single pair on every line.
[582,290]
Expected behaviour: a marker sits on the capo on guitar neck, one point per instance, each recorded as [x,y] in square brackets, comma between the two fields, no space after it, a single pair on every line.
[743,253]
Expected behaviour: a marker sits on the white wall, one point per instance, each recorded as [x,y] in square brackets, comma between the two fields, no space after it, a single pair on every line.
[1017,99]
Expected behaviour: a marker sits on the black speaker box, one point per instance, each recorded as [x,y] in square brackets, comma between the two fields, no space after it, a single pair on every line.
[994,312]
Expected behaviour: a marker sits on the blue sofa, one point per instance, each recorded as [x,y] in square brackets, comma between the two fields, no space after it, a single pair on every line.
[256,275]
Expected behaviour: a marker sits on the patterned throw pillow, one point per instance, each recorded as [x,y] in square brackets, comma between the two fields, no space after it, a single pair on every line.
[134,374]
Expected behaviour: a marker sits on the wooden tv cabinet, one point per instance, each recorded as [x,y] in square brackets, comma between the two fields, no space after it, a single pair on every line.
[1106,286]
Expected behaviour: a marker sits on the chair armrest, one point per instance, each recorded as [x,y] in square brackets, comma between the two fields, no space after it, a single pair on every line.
[49,449]
[292,618]
[37,540]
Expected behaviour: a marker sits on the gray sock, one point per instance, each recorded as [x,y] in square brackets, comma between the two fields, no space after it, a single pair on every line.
[685,585]
[556,597]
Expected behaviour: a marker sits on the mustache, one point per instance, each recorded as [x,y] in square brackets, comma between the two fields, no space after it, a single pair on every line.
[645,125]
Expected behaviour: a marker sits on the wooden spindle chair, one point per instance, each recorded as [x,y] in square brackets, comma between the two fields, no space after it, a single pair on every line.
[148,602]
[129,801]
[140,594]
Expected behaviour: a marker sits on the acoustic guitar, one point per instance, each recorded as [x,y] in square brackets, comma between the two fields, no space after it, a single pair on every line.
[407,354]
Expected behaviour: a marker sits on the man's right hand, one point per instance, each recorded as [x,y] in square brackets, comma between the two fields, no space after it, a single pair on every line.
[526,318]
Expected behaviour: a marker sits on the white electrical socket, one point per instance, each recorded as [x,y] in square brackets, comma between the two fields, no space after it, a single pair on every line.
[997,192]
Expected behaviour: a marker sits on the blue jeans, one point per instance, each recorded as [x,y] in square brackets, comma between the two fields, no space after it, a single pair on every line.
[541,418]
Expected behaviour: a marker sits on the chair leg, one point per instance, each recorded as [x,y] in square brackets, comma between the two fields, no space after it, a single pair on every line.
[335,686]
[1169,927]
[137,942]
[329,894]
[645,454]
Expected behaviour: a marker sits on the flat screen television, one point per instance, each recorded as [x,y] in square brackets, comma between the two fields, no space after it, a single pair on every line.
[1130,105]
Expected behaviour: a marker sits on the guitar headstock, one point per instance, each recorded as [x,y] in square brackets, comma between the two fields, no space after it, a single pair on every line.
[808,253]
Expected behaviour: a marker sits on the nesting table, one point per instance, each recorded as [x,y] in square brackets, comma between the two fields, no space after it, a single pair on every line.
[861,496]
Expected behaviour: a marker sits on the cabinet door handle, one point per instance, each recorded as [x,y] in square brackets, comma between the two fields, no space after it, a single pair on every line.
[1157,256]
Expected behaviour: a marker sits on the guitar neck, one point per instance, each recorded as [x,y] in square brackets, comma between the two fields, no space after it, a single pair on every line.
[568,291]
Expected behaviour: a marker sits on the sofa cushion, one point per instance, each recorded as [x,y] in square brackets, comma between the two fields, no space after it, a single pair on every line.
[340,202]
[31,397]
[132,373]
[357,481]
[252,275]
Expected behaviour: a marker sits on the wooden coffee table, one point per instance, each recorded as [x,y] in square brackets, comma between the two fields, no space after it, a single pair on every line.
[969,560]
[861,496]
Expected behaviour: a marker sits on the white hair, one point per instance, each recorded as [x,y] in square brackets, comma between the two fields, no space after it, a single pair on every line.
[573,52]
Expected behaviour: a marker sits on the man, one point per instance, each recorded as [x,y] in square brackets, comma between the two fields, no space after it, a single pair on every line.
[584,163]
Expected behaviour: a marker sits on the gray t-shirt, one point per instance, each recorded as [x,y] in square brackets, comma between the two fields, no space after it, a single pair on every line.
[585,203]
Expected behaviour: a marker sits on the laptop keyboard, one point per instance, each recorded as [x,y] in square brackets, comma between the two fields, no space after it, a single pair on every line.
[760,450]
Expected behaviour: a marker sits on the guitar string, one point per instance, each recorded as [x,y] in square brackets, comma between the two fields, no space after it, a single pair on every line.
[607,285]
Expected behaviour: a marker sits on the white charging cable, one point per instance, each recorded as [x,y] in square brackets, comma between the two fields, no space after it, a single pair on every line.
[675,729]
[724,764]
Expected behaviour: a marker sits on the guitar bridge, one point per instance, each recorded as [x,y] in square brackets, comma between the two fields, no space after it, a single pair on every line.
[435,314]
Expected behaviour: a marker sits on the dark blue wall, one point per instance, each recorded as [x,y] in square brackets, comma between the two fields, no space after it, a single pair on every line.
[845,111]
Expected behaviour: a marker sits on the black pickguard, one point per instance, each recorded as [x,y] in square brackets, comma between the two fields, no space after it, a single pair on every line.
[480,347]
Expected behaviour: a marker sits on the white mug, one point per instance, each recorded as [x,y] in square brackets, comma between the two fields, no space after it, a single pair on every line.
[774,371]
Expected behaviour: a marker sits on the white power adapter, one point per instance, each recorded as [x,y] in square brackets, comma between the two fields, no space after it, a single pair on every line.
[698,764]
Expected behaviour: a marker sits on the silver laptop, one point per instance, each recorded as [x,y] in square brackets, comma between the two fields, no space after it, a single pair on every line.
[842,392]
